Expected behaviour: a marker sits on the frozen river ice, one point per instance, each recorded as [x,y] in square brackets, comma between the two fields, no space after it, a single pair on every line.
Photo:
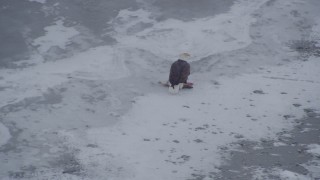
[79,97]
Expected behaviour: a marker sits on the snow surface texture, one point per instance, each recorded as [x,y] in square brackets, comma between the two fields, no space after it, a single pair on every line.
[57,35]
[4,134]
[98,114]
[39,1]
[314,149]
[174,137]
[167,38]
[279,173]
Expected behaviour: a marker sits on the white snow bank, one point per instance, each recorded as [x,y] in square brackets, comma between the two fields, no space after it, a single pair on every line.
[173,137]
[277,144]
[4,134]
[102,63]
[288,175]
[201,37]
[314,149]
[39,1]
[56,35]
[315,34]
[261,174]
[313,166]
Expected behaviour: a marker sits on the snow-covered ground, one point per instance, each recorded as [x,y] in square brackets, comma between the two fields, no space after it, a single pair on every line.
[85,103]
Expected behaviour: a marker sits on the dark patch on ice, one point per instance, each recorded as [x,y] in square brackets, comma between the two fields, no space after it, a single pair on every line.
[92,145]
[19,22]
[296,105]
[94,15]
[203,127]
[23,21]
[183,119]
[68,163]
[199,128]
[310,112]
[25,172]
[288,116]
[33,103]
[33,169]
[90,110]
[179,160]
[295,13]
[290,155]
[17,174]
[198,141]
[176,141]
[95,96]
[206,125]
[238,136]
[215,82]
[62,89]
[258,92]
[270,2]
[306,48]
[196,176]
[185,158]
[27,102]
[185,106]
[2,88]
